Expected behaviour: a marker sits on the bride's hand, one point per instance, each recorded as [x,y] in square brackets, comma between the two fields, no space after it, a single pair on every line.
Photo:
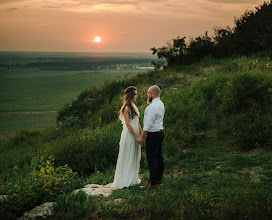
[139,140]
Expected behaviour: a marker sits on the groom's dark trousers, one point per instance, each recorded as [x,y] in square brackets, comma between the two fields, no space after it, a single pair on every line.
[154,156]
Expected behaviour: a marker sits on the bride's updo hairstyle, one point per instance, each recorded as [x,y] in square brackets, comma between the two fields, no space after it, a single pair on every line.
[129,97]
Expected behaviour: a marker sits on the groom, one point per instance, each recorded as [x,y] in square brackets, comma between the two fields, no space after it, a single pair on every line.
[153,132]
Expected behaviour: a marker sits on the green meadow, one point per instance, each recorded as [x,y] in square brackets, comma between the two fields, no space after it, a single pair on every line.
[30,96]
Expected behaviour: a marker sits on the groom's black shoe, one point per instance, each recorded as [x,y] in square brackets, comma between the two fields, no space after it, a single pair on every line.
[149,186]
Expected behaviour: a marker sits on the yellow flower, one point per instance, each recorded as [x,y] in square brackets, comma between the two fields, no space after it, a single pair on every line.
[229,84]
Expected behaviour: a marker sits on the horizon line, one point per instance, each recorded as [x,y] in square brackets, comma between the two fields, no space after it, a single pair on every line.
[36,51]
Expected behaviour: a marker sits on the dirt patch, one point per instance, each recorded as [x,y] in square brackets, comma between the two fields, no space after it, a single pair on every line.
[254,172]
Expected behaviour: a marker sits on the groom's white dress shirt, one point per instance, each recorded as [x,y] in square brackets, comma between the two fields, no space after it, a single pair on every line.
[153,116]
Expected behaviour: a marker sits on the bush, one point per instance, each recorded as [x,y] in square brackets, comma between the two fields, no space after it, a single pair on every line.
[186,115]
[89,151]
[249,130]
[42,185]
[247,91]
[246,110]
[51,180]
[89,102]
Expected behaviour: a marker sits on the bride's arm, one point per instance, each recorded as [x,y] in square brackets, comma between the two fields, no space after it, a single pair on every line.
[140,129]
[127,120]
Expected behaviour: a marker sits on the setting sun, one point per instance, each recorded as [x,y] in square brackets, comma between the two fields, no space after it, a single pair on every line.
[97,39]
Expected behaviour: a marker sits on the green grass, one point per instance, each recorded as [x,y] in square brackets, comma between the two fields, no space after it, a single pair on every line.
[203,190]
[19,121]
[29,99]
[206,176]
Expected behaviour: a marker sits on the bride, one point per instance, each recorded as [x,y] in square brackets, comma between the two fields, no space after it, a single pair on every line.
[128,162]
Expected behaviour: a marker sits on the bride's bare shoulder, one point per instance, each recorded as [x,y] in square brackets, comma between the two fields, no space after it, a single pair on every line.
[124,109]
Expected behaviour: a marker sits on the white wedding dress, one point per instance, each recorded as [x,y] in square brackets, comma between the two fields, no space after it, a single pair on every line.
[128,162]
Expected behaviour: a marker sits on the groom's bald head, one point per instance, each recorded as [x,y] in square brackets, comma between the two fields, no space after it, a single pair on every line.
[155,89]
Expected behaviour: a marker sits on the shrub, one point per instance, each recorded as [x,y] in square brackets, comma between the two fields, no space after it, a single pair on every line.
[246,110]
[249,130]
[51,180]
[89,151]
[90,102]
[186,115]
[247,91]
[42,185]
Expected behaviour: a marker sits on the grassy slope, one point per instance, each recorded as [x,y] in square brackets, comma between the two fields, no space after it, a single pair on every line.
[205,177]
[210,180]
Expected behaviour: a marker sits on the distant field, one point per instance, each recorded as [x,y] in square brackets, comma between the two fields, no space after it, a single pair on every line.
[30,98]
[37,90]
[35,85]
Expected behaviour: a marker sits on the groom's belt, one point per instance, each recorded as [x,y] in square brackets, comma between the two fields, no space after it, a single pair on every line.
[156,131]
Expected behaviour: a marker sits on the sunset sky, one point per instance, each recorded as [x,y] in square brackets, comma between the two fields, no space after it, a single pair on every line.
[122,25]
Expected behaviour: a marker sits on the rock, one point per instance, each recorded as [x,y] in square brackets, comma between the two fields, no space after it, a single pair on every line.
[108,185]
[117,201]
[3,198]
[47,208]
[96,191]
[39,211]
[93,186]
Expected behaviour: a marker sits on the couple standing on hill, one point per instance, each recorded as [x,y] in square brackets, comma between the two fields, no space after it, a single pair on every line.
[128,162]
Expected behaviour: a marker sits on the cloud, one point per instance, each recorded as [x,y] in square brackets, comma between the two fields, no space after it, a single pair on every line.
[236,1]
[84,3]
[172,8]
[93,6]
[100,5]
[9,1]
[11,9]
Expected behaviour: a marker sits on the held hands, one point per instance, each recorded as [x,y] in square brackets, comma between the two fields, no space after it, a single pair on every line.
[140,140]
[142,137]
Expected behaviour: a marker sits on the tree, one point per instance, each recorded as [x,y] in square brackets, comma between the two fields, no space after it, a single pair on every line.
[173,52]
[223,38]
[253,30]
[199,47]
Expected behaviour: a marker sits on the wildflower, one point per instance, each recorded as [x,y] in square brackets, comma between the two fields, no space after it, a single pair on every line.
[229,84]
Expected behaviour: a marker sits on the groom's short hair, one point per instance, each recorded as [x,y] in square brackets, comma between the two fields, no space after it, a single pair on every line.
[156,89]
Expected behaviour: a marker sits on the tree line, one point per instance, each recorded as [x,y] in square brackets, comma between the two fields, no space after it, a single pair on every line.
[252,33]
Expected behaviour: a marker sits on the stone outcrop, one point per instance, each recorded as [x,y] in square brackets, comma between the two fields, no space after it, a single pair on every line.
[39,211]
[3,197]
[96,190]
[47,208]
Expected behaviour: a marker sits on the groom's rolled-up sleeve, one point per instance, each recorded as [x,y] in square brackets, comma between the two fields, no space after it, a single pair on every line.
[148,118]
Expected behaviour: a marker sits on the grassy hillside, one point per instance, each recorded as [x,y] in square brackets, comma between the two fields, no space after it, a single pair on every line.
[217,148]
